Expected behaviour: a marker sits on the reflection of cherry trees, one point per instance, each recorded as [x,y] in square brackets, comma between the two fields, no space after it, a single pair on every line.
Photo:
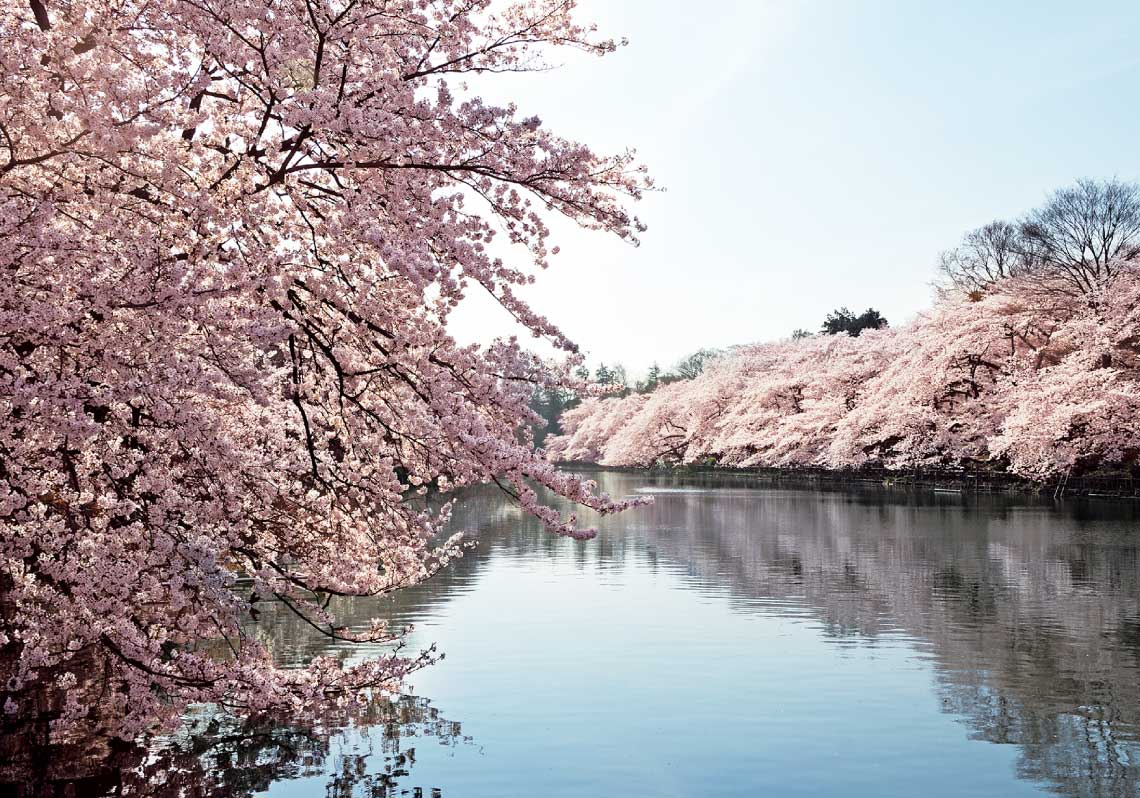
[1030,617]
[1037,381]
[216,755]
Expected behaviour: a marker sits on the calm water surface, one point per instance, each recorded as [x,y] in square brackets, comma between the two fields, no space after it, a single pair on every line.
[735,639]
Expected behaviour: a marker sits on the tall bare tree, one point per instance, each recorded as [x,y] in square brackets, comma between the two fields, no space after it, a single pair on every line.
[1083,233]
[692,365]
[985,256]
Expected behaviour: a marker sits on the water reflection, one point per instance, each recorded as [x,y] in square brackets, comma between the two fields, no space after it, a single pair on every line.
[1028,612]
[215,755]
[737,638]
[1025,614]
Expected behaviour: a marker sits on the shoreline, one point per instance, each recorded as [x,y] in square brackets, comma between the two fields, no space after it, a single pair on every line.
[962,481]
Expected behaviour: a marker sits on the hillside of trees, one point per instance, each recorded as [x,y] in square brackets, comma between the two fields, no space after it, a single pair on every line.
[1029,362]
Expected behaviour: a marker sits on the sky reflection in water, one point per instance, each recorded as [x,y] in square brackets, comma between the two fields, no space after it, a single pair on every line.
[734,639]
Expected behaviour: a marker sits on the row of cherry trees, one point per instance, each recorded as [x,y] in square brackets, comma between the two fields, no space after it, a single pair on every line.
[1024,377]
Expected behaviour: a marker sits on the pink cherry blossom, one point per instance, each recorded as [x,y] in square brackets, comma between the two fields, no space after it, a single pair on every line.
[1035,380]
[231,236]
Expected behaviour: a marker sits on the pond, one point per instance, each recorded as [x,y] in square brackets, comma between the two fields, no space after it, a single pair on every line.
[738,638]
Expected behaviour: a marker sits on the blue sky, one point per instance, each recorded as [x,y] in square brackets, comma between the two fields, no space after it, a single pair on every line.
[816,154]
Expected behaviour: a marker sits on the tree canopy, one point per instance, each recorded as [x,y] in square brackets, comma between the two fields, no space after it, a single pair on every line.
[844,321]
[1073,244]
[231,236]
[691,366]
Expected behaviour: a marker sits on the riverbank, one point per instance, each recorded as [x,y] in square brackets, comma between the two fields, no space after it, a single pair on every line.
[1107,485]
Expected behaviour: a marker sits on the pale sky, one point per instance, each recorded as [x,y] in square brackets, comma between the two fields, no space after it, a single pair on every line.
[816,154]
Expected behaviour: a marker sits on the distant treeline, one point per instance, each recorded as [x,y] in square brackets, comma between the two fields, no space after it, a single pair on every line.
[1029,362]
[551,402]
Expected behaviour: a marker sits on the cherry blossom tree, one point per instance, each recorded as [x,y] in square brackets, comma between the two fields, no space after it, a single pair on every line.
[1074,402]
[588,427]
[231,236]
[659,430]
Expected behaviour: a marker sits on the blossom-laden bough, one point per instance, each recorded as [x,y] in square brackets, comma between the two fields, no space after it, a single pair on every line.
[231,236]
